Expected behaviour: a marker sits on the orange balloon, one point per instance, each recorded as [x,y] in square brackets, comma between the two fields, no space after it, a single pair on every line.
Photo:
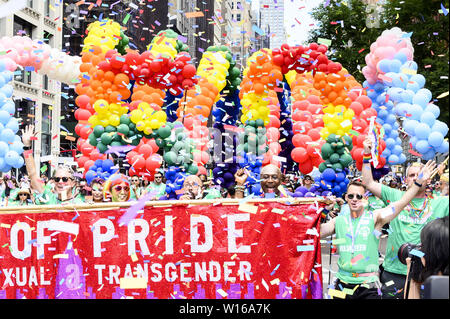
[85,67]
[109,76]
[258,88]
[96,60]
[121,80]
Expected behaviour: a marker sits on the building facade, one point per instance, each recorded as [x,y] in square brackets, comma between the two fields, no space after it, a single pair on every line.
[38,98]
[272,18]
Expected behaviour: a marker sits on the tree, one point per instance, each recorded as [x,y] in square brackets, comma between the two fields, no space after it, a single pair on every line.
[363,23]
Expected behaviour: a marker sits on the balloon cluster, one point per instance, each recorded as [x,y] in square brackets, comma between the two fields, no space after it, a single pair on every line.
[304,59]
[102,169]
[233,79]
[11,146]
[307,124]
[253,140]
[89,154]
[35,55]
[105,34]
[144,159]
[391,44]
[148,117]
[174,181]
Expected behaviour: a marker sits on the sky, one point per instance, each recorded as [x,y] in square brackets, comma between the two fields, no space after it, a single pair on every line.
[297,19]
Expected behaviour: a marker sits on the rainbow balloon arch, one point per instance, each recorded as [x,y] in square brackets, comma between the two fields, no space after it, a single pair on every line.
[292,107]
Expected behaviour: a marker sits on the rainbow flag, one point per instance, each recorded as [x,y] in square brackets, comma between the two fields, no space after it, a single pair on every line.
[376,133]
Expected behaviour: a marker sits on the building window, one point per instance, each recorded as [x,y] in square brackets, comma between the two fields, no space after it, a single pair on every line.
[238,19]
[47,8]
[24,112]
[46,135]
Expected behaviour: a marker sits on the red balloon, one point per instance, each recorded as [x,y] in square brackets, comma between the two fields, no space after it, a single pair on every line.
[145,150]
[306,167]
[314,134]
[299,155]
[356,107]
[88,164]
[189,71]
[138,162]
[358,154]
[82,101]
[365,101]
[82,115]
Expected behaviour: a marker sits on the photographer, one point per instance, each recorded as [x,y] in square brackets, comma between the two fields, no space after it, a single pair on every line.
[434,261]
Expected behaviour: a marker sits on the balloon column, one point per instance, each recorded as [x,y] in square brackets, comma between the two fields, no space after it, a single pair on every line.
[11,146]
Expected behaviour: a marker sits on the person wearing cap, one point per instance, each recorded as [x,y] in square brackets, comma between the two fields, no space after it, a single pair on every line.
[22,198]
[117,188]
[443,185]
[308,181]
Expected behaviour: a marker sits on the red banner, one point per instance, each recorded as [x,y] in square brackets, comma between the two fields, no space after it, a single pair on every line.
[254,250]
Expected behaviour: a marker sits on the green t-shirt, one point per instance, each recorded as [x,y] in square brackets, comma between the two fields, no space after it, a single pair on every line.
[211,193]
[361,256]
[406,227]
[375,203]
[157,190]
[50,198]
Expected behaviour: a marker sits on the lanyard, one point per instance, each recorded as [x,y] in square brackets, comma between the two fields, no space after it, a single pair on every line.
[354,235]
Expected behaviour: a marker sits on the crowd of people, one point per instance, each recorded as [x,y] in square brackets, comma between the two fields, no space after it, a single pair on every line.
[357,219]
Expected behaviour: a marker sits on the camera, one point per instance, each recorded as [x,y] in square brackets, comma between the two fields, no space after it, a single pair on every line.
[416,264]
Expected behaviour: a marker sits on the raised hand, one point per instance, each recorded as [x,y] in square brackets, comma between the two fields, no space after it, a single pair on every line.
[427,171]
[27,134]
[367,144]
[241,176]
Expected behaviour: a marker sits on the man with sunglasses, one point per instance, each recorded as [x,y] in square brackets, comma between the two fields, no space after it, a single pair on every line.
[157,188]
[357,235]
[407,226]
[193,189]
[63,189]
[136,189]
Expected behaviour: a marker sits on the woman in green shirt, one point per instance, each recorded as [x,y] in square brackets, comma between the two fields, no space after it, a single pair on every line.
[357,231]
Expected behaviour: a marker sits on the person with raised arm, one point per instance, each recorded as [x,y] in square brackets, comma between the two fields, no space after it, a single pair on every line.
[407,226]
[358,231]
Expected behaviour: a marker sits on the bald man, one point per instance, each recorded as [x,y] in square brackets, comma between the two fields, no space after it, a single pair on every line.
[193,189]
[271,178]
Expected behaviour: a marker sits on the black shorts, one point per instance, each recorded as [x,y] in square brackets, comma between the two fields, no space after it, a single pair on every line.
[359,293]
[395,288]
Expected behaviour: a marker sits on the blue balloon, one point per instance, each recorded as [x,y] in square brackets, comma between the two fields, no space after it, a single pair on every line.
[397,150]
[413,140]
[410,125]
[107,164]
[90,175]
[422,146]
[440,127]
[413,86]
[16,146]
[390,142]
[410,65]
[428,118]
[402,108]
[421,99]
[426,92]
[9,107]
[393,159]
[435,139]
[395,66]
[382,114]
[329,175]
[11,158]
[401,159]
[378,87]
[401,57]
[13,124]
[4,148]
[429,155]
[386,152]
[432,108]
[384,65]
[443,148]
[340,177]
[416,111]
[2,65]
[387,128]
[422,131]
[7,135]
[4,116]
[419,79]
[407,96]
[400,81]
[390,119]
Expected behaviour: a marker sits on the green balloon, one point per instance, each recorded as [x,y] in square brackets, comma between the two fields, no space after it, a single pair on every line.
[116,143]
[334,158]
[164,131]
[110,129]
[123,128]
[102,148]
[326,150]
[181,137]
[331,138]
[337,167]
[92,139]
[132,126]
[235,72]
[348,140]
[125,119]
[259,123]
[137,140]
[340,151]
[322,167]
[170,158]
[345,160]
[251,123]
[98,130]
[106,139]
[192,169]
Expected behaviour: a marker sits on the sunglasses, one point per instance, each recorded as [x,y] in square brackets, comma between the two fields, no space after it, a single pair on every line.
[158,176]
[120,188]
[64,179]
[358,196]
[23,194]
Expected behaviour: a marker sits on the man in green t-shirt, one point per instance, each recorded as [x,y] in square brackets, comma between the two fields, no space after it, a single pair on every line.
[64,190]
[407,226]
[357,237]
[157,188]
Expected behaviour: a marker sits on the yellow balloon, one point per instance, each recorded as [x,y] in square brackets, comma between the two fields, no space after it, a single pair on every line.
[140,125]
[114,120]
